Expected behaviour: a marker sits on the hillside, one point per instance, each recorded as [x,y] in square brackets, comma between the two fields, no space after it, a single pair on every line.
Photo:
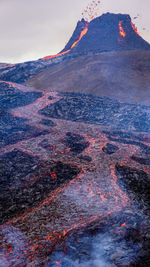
[120,75]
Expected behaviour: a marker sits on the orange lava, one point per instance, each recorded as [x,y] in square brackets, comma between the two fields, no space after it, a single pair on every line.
[83,32]
[121,30]
[124,224]
[135,28]
[81,35]
[57,55]
[53,175]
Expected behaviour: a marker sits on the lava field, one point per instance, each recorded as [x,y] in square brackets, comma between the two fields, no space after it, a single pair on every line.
[75,172]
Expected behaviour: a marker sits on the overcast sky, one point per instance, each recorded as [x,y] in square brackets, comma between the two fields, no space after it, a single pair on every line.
[31,29]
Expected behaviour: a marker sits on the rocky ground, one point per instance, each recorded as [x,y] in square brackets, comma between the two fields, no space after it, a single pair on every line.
[75,173]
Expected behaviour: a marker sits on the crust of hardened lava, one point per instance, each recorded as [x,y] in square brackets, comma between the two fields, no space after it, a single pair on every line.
[120,75]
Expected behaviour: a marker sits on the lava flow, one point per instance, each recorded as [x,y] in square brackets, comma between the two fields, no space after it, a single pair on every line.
[121,30]
[83,32]
[81,35]
[92,194]
[135,28]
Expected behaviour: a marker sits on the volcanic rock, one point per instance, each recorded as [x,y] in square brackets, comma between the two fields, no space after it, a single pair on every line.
[110,149]
[75,142]
[136,181]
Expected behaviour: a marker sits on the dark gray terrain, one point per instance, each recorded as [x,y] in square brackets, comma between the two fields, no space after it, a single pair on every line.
[75,153]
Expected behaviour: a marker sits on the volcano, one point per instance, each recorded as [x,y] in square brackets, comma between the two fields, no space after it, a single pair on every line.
[75,150]
[104,56]
[109,32]
[105,34]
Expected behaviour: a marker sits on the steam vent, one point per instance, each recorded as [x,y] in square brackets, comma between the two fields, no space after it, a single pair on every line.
[75,152]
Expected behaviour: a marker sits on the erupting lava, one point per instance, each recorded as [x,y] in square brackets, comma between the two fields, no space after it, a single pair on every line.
[91,11]
[121,30]
[83,32]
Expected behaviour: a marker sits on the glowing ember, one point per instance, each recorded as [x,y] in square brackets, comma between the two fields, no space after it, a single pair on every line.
[91,11]
[121,30]
[124,224]
[53,175]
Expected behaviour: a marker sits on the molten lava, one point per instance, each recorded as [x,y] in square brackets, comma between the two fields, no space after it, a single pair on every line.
[81,35]
[83,32]
[124,224]
[135,29]
[121,30]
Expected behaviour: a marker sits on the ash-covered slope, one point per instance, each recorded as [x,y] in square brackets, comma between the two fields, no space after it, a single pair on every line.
[109,32]
[123,75]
